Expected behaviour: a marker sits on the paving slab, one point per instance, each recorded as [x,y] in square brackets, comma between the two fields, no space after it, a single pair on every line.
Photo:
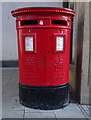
[11,104]
[11,91]
[85,110]
[39,115]
[37,110]
[70,111]
[13,114]
[7,72]
[6,76]
[4,83]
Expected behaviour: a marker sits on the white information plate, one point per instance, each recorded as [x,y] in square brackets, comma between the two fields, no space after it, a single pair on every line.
[59,43]
[29,43]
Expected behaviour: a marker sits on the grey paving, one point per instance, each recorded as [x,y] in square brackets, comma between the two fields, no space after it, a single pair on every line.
[71,111]
[39,115]
[13,114]
[11,103]
[12,109]
[29,110]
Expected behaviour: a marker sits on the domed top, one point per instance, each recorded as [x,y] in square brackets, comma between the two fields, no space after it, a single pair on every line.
[42,9]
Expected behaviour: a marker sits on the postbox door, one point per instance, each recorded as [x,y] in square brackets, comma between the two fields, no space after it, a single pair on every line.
[32,42]
[57,56]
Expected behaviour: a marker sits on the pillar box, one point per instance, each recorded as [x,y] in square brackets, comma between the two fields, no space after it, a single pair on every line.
[44,51]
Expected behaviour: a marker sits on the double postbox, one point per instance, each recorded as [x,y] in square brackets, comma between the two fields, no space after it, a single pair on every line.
[43,50]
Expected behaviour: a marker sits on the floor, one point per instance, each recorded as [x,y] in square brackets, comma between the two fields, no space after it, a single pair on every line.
[11,107]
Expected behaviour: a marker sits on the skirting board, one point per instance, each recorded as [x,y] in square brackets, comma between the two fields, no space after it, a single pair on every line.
[9,63]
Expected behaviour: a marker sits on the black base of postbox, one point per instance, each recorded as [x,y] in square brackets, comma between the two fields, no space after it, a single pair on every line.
[44,97]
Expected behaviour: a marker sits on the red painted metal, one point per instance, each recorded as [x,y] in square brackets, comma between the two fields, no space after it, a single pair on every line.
[44,66]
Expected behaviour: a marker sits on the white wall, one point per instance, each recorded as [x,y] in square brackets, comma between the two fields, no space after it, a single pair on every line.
[0,31]
[9,37]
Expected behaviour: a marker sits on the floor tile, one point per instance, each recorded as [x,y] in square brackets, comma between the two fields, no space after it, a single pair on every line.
[11,90]
[85,107]
[6,76]
[16,73]
[11,104]
[37,110]
[14,81]
[1,73]
[39,115]
[70,111]
[70,107]
[4,83]
[6,73]
[85,110]
[69,114]
[13,114]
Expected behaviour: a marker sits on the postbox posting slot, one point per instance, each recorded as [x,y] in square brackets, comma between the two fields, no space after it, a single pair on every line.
[59,22]
[59,43]
[29,22]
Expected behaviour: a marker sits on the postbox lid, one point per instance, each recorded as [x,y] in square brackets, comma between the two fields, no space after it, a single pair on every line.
[42,9]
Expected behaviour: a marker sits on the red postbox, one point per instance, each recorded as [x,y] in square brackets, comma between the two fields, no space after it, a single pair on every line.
[43,50]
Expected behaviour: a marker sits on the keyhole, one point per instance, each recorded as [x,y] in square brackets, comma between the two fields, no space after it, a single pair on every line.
[40,51]
[28,30]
